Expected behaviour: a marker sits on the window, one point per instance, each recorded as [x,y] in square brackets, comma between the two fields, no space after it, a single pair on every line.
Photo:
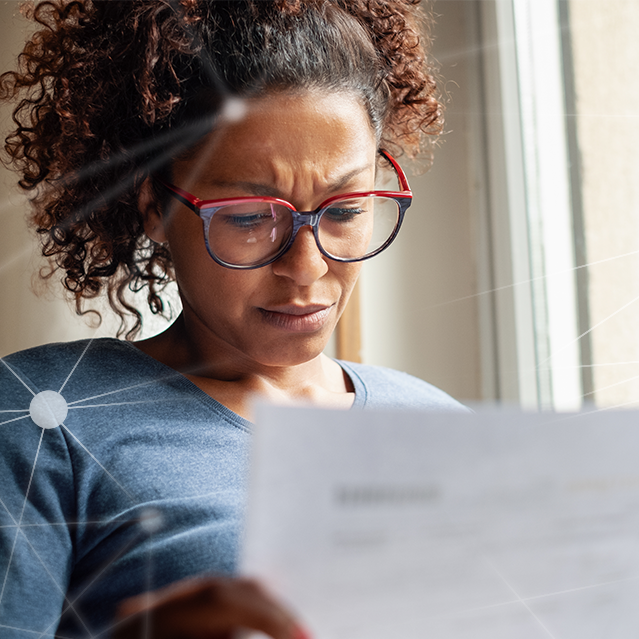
[559,98]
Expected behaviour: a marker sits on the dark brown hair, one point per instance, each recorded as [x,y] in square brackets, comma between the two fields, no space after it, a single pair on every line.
[110,91]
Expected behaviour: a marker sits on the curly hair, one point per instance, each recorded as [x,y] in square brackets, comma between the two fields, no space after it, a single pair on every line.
[110,91]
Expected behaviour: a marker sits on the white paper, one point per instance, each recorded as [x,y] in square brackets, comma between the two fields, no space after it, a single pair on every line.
[448,526]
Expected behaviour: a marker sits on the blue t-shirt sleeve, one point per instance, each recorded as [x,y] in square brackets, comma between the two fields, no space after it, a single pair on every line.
[140,443]
[36,506]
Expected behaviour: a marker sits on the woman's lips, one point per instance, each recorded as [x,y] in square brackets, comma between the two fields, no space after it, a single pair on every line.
[297,318]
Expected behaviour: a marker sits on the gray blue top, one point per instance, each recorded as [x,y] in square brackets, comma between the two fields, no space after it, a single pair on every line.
[136,480]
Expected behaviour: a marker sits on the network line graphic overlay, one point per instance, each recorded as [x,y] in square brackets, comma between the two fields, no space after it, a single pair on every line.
[113,483]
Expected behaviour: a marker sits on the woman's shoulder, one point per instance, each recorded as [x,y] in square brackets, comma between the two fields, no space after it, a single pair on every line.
[61,352]
[381,387]
[90,363]
[110,371]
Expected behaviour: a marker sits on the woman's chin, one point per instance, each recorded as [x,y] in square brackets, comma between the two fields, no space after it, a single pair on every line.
[293,352]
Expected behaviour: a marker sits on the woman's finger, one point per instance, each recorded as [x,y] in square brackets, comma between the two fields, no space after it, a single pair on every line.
[206,609]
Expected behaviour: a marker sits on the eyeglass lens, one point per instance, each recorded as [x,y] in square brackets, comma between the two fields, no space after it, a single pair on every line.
[248,234]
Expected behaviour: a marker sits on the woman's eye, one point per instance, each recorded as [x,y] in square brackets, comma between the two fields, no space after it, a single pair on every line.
[249,220]
[343,214]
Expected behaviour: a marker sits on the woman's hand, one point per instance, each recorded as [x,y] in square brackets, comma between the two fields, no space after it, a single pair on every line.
[205,609]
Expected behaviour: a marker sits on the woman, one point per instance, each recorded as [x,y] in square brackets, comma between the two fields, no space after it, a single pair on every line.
[177,140]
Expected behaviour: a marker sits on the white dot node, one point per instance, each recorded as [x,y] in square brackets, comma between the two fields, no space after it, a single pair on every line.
[48,409]
[151,520]
[234,110]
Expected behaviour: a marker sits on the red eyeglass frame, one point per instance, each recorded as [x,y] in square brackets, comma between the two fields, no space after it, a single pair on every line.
[206,209]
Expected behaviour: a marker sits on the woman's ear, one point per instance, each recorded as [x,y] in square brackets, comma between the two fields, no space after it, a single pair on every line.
[151,215]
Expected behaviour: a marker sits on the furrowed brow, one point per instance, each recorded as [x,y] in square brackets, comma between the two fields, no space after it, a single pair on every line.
[249,187]
[265,190]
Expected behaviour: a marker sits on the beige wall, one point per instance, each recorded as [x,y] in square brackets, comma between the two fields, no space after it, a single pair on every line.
[410,321]
[606,59]
[25,319]
[28,318]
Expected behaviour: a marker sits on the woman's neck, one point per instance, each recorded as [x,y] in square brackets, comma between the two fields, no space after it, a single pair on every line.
[236,381]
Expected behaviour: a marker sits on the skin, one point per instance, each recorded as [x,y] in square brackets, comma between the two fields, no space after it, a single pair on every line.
[205,609]
[262,331]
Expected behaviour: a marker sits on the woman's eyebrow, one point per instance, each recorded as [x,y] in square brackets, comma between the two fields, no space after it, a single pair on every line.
[343,181]
[255,188]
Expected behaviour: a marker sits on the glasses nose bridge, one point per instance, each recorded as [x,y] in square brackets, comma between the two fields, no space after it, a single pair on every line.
[305,218]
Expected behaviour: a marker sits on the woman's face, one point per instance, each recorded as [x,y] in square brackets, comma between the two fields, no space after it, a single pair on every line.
[300,148]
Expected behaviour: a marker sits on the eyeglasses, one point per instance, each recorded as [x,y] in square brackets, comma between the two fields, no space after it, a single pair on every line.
[251,232]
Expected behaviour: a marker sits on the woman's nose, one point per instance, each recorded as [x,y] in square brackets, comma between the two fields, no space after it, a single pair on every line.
[303,262]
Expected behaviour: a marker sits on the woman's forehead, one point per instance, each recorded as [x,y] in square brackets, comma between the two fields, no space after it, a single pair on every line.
[325,137]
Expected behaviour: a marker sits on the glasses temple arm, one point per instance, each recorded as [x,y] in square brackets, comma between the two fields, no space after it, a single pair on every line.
[403,180]
[181,196]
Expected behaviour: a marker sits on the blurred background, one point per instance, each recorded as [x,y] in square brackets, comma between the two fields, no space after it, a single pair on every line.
[515,278]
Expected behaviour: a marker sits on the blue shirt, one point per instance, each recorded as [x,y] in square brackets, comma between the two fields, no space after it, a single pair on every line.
[141,485]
